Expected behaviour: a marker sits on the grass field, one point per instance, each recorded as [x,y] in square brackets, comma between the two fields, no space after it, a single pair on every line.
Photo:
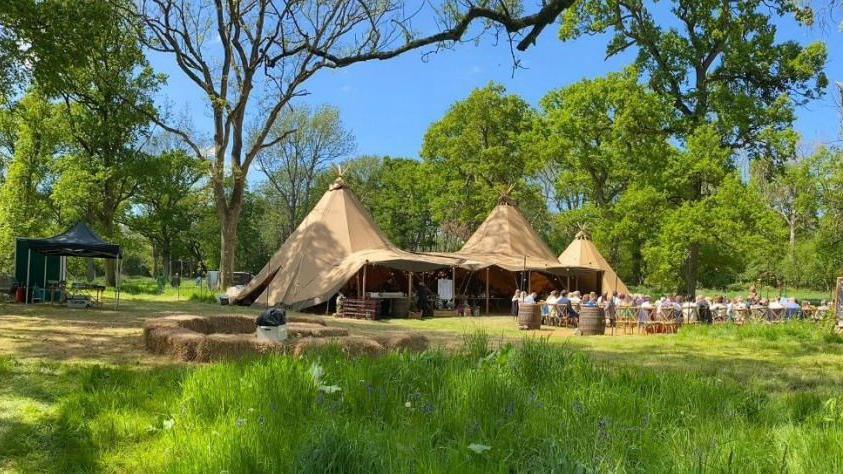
[78,393]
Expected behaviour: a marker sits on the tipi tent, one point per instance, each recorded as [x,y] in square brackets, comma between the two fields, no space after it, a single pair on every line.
[327,249]
[507,240]
[582,253]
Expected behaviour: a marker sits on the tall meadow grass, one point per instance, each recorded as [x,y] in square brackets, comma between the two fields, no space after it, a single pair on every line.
[529,407]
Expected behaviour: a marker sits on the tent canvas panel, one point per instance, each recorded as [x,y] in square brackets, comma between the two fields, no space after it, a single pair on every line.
[36,270]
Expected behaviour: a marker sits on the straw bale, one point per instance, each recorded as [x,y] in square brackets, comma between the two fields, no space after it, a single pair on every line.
[232,324]
[314,330]
[226,346]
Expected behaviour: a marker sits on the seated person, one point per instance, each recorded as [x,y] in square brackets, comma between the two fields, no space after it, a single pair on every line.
[565,302]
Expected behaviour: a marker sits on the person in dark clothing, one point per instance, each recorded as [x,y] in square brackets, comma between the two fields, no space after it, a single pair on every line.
[566,302]
[423,295]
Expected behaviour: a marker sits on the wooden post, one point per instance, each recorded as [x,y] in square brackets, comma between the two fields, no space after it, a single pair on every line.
[529,281]
[487,291]
[410,287]
[568,278]
[454,282]
[28,265]
[364,280]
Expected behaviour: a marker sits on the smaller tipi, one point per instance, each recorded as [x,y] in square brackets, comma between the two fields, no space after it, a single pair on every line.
[507,240]
[582,253]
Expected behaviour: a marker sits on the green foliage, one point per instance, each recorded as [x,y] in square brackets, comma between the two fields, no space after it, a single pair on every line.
[608,131]
[718,63]
[27,208]
[475,153]
[168,203]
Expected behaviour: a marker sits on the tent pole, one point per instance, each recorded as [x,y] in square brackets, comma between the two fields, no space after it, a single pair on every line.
[410,287]
[45,280]
[365,265]
[454,278]
[487,291]
[529,281]
[117,280]
[28,264]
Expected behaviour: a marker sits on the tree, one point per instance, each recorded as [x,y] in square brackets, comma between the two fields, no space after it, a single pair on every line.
[719,63]
[292,166]
[402,207]
[167,202]
[596,138]
[791,191]
[475,152]
[606,131]
[25,197]
[233,50]
[86,56]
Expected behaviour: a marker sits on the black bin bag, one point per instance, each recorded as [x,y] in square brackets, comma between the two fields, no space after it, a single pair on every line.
[272,317]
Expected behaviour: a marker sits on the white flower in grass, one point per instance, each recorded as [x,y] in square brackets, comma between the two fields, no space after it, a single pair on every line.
[169,423]
[316,372]
[329,388]
[479,448]
[408,404]
[241,422]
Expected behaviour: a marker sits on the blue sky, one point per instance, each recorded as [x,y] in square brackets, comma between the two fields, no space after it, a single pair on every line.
[389,105]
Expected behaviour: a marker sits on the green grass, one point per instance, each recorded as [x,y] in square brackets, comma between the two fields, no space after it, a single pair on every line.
[692,402]
[147,289]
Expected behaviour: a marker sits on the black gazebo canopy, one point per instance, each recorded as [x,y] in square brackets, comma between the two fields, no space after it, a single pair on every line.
[79,241]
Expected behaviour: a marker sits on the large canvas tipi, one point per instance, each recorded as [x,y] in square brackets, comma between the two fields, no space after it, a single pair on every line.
[507,240]
[327,249]
[582,253]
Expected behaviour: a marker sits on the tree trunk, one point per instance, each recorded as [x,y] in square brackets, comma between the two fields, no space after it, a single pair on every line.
[228,242]
[636,263]
[91,270]
[691,270]
[107,222]
[154,261]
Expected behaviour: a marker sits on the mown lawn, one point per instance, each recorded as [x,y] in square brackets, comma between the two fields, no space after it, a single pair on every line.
[716,399]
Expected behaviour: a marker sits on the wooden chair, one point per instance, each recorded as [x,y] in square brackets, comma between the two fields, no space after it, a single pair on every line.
[691,314]
[719,315]
[627,318]
[776,315]
[667,319]
[648,320]
[758,314]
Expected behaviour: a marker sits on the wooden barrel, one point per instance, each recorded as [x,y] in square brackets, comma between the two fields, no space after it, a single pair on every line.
[592,321]
[400,308]
[529,316]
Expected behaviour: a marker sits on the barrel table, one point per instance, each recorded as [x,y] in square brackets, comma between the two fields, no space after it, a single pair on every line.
[529,316]
[592,321]
[400,308]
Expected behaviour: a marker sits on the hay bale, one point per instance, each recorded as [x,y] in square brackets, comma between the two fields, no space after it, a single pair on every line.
[351,345]
[404,342]
[183,343]
[314,330]
[232,324]
[226,346]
